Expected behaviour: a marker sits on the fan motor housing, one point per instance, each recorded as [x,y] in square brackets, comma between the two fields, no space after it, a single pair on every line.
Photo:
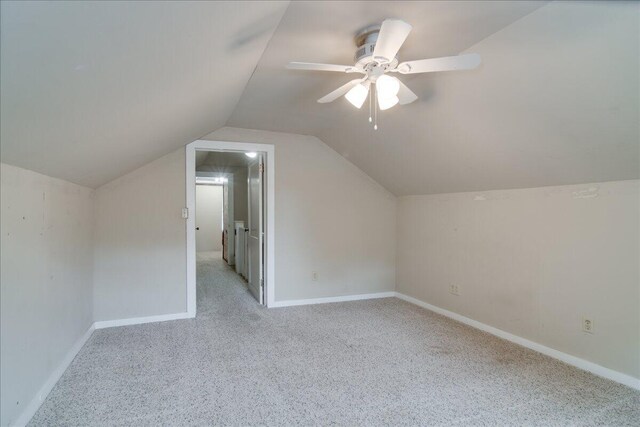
[366,43]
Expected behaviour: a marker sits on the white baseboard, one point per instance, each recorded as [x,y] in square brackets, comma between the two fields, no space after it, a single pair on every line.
[289,303]
[140,320]
[46,388]
[594,368]
[33,406]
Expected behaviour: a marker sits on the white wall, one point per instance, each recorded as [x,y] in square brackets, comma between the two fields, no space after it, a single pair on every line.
[140,261]
[209,218]
[330,218]
[46,293]
[533,262]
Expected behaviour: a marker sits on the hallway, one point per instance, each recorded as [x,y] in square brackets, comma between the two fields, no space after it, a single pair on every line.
[219,288]
[376,362]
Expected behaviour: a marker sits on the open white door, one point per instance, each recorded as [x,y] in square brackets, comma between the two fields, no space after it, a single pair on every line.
[256,229]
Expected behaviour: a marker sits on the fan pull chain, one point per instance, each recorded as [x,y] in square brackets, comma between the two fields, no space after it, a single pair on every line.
[375,111]
[370,101]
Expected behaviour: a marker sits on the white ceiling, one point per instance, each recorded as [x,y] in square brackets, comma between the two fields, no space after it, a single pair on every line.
[221,159]
[555,101]
[92,90]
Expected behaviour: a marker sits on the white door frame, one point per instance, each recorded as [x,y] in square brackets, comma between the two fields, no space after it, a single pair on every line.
[269,231]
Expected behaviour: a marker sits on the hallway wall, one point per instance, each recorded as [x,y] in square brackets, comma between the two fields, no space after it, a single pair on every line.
[240,187]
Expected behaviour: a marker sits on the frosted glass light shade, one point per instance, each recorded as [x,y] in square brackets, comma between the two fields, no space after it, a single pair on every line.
[387,86]
[358,94]
[386,103]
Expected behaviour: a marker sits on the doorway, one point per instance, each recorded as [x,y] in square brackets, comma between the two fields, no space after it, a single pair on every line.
[209,218]
[244,173]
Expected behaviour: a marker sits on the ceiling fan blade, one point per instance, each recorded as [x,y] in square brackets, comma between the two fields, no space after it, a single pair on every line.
[468,61]
[340,91]
[393,33]
[310,66]
[406,95]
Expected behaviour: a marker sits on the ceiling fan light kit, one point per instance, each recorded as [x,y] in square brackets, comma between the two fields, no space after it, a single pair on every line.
[358,94]
[377,47]
[387,86]
[386,103]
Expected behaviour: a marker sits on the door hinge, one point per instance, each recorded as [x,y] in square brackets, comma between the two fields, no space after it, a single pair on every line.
[185,213]
[261,167]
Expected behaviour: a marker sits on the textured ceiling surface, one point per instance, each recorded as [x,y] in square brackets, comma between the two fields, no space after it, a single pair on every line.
[92,90]
[554,102]
[221,159]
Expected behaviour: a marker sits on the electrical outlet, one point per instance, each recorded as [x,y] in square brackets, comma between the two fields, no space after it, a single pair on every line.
[314,276]
[587,325]
[453,289]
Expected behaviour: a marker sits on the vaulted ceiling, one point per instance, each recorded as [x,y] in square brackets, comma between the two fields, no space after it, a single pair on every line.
[555,100]
[92,90]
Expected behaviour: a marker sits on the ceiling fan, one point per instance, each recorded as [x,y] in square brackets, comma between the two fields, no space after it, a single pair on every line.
[378,46]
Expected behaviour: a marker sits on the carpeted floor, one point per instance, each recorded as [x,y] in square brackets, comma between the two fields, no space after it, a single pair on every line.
[376,362]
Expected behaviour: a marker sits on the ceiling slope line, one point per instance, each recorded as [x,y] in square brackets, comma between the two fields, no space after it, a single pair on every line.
[255,67]
[542,4]
[326,146]
[154,66]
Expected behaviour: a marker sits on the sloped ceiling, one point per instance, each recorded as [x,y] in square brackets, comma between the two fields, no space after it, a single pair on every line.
[554,102]
[92,90]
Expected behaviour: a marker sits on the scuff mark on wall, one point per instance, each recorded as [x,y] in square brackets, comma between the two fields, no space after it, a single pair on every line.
[588,193]
[490,196]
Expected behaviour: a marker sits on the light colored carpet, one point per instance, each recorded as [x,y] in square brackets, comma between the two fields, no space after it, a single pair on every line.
[376,362]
